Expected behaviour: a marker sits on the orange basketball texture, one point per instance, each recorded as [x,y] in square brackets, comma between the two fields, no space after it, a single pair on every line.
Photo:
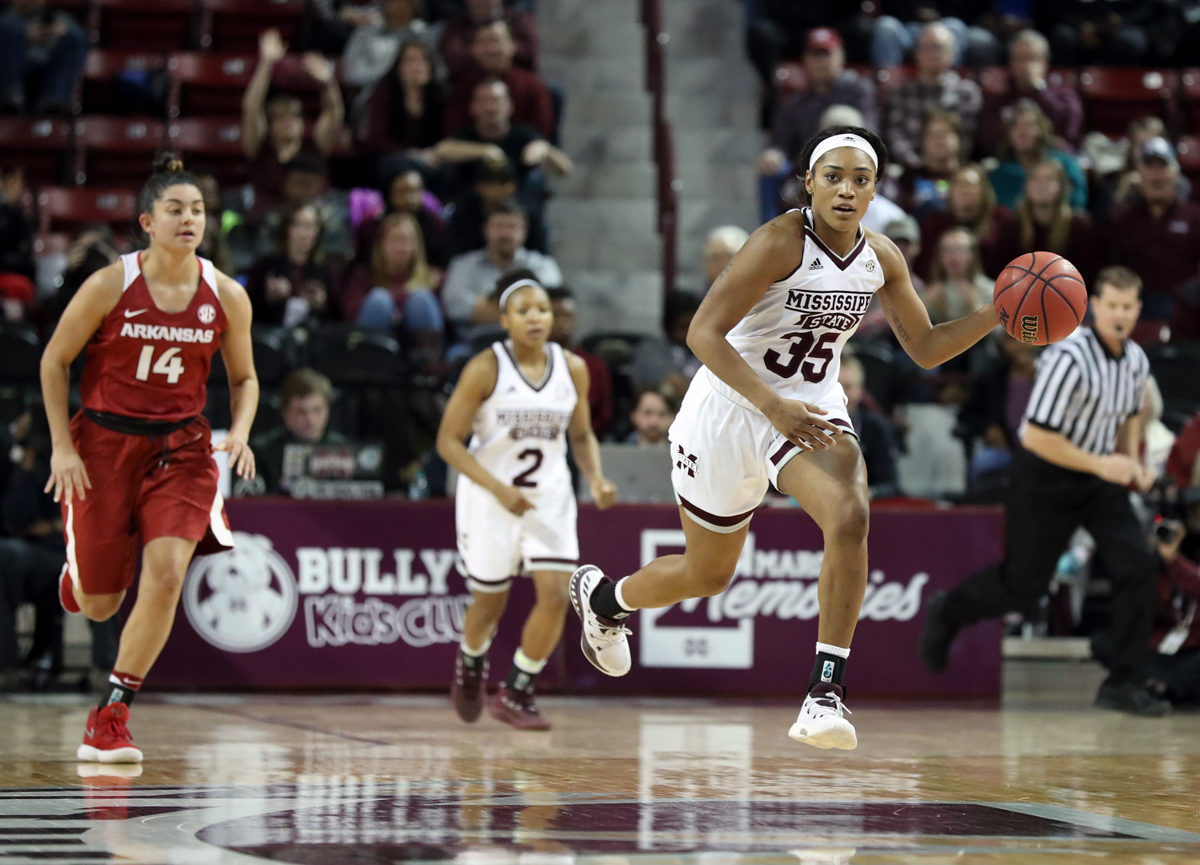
[1040,298]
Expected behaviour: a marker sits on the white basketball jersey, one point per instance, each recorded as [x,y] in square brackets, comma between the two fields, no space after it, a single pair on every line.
[520,431]
[793,336]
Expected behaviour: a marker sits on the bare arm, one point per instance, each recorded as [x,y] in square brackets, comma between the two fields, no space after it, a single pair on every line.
[238,355]
[476,384]
[83,316]
[771,253]
[328,131]
[1056,448]
[545,154]
[927,344]
[254,114]
[453,150]
[583,441]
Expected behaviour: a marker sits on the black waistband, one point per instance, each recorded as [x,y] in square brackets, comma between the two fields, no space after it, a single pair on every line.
[135,426]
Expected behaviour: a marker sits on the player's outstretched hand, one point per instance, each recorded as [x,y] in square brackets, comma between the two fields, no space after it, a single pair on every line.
[801,424]
[604,493]
[241,458]
[514,500]
[67,476]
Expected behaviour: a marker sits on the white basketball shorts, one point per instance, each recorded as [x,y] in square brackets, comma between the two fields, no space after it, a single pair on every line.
[724,454]
[495,545]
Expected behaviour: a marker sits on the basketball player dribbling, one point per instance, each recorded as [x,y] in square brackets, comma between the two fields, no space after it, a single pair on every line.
[767,407]
[520,400]
[135,465]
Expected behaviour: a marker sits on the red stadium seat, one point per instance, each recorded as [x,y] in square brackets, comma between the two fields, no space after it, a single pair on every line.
[1189,161]
[891,77]
[234,25]
[117,151]
[103,68]
[1113,97]
[40,146]
[71,206]
[209,85]
[210,146]
[1191,98]
[135,25]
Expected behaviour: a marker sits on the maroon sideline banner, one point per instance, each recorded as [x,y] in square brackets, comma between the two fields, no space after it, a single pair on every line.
[367,595]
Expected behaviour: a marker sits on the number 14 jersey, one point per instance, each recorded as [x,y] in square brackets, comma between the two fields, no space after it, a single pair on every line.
[793,337]
[146,363]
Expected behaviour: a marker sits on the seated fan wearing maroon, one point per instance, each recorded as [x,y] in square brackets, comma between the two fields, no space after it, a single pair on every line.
[1040,298]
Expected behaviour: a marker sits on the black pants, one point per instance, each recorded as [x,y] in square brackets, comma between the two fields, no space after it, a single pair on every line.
[1045,506]
[1179,673]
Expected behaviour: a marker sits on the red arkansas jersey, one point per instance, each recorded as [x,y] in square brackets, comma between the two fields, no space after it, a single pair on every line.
[146,363]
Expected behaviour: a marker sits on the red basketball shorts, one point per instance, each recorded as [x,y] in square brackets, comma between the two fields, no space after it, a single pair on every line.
[142,488]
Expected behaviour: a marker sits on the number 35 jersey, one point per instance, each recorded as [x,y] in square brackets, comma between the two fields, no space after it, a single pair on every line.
[520,430]
[146,363]
[793,336]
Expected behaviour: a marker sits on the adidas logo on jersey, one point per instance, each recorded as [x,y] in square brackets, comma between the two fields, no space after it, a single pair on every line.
[816,265]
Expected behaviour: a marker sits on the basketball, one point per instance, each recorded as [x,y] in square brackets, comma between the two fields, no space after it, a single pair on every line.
[1040,298]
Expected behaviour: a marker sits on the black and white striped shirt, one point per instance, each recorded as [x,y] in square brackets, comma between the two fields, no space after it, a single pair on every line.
[1085,393]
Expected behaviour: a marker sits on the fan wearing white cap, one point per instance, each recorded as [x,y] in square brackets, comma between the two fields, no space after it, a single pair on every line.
[519,400]
[767,408]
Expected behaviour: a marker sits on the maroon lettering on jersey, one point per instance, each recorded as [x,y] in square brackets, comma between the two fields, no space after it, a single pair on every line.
[146,363]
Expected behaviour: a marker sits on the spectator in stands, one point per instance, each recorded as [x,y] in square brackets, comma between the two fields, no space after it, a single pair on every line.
[335,20]
[405,110]
[936,85]
[406,194]
[1046,221]
[273,130]
[494,183]
[215,245]
[39,41]
[1029,140]
[970,202]
[1085,32]
[720,247]
[1126,185]
[18,292]
[293,285]
[1158,237]
[458,35]
[895,33]
[1182,465]
[957,284]
[995,404]
[876,436]
[1028,63]
[668,362]
[492,51]
[600,389]
[473,275]
[653,413]
[94,247]
[304,403]
[374,48]
[827,82]
[906,234]
[922,189]
[396,291]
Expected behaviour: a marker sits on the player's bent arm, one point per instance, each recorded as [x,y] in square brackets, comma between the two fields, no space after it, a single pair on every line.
[83,316]
[928,344]
[476,384]
[583,440]
[771,254]
[1056,448]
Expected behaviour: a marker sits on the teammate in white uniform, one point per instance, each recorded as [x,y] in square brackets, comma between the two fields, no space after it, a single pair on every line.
[515,507]
[768,407]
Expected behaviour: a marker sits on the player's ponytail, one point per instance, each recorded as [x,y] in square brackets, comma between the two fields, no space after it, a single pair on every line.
[167,171]
[801,165]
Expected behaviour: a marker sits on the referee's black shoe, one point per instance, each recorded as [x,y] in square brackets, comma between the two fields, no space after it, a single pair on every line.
[1131,698]
[938,634]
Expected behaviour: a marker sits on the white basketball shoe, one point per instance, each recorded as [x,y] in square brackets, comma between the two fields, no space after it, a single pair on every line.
[821,723]
[604,640]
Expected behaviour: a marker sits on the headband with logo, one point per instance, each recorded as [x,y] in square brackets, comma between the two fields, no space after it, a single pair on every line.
[519,284]
[848,140]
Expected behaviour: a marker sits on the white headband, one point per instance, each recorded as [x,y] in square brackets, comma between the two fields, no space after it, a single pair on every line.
[519,284]
[847,140]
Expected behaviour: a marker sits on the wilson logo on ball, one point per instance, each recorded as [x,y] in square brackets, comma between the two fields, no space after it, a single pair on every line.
[1029,328]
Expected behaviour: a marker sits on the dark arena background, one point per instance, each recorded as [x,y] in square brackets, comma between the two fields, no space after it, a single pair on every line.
[370,169]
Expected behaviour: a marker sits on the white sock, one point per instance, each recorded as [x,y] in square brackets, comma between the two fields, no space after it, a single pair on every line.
[836,651]
[621,597]
[475,653]
[526,664]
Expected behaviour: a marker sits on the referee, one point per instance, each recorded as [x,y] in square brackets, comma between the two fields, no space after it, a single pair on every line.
[1081,435]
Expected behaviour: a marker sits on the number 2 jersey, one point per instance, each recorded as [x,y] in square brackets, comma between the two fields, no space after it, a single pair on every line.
[520,430]
[793,337]
[146,363]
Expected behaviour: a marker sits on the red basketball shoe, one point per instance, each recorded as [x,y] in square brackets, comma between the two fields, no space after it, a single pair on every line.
[66,593]
[107,739]
[518,709]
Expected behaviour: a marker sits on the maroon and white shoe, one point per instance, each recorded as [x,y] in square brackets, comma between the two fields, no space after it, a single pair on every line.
[468,688]
[518,709]
[66,593]
[107,739]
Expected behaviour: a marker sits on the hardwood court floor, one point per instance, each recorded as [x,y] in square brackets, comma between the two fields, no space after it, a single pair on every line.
[334,781]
